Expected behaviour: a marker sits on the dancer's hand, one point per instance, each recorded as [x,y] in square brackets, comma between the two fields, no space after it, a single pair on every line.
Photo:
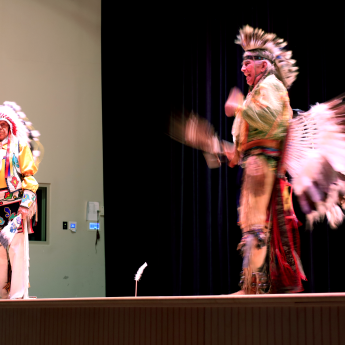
[234,101]
[23,211]
[229,150]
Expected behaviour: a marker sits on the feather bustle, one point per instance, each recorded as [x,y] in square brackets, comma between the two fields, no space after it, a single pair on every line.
[316,160]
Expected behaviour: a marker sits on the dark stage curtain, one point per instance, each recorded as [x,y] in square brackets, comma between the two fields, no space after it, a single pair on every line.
[163,205]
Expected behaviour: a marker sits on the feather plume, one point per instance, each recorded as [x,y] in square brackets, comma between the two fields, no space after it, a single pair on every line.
[140,272]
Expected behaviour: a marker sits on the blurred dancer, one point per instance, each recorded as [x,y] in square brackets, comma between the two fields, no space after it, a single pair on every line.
[268,141]
[17,196]
[259,133]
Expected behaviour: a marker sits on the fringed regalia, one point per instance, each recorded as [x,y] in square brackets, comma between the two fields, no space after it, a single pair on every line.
[20,153]
[270,240]
[268,141]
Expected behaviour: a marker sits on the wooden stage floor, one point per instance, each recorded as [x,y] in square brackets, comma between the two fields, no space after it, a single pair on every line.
[226,319]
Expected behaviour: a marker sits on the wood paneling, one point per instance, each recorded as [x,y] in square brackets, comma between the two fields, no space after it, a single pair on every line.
[252,320]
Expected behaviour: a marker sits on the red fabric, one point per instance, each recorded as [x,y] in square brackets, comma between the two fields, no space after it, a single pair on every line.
[295,224]
[284,271]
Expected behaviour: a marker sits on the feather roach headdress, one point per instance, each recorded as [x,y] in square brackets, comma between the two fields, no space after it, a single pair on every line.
[268,46]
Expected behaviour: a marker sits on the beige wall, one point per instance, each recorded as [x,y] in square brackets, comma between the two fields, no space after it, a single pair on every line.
[50,64]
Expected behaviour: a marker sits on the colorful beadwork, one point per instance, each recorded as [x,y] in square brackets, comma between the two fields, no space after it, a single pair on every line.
[7,212]
[12,216]
[14,181]
[26,198]
[15,162]
[8,195]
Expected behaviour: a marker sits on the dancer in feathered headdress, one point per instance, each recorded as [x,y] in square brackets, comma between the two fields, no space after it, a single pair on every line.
[17,197]
[259,133]
[270,236]
[267,142]
[313,153]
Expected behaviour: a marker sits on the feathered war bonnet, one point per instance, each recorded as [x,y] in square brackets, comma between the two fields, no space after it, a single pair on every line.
[9,113]
[270,48]
[20,129]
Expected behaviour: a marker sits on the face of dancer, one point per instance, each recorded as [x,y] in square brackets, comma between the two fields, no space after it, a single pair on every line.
[251,68]
[4,128]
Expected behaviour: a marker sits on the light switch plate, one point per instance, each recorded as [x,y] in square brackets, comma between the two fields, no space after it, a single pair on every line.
[72,226]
